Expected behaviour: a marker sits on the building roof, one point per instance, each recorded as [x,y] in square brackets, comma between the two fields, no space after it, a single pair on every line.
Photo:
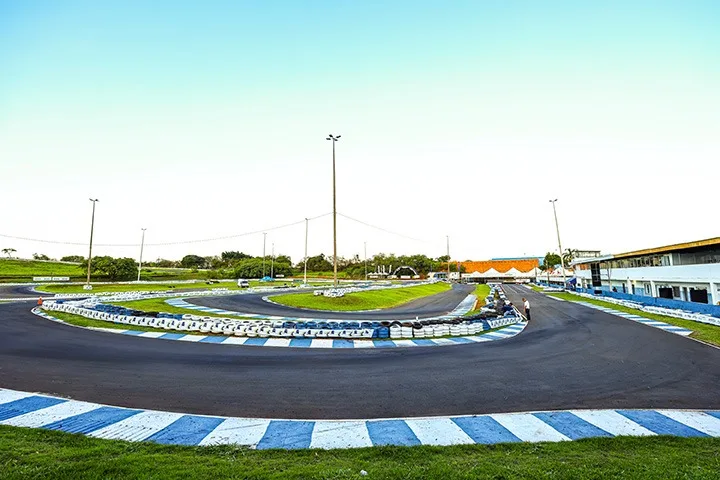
[671,248]
[709,242]
[502,266]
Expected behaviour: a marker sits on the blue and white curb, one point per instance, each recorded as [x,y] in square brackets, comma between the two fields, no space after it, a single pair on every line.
[463,307]
[637,318]
[500,334]
[21,409]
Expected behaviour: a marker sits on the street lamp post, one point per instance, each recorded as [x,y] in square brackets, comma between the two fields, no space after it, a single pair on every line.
[447,238]
[557,230]
[334,139]
[92,227]
[365,248]
[272,261]
[306,237]
[264,238]
[142,245]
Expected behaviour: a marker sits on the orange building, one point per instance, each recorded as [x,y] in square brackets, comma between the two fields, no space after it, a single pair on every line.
[508,269]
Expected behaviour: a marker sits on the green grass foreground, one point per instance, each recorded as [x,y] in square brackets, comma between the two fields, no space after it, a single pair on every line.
[701,331]
[370,300]
[27,453]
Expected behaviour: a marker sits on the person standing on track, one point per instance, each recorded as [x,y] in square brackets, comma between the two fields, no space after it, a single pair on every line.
[40,300]
[526,304]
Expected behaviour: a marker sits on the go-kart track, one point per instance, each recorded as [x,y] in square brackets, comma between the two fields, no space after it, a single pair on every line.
[570,357]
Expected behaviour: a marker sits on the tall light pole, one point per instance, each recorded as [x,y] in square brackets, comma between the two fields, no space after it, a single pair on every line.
[365,248]
[306,237]
[557,229]
[142,245]
[447,237]
[92,227]
[264,238]
[272,261]
[334,139]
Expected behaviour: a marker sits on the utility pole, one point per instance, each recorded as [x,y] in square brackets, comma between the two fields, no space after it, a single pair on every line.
[447,237]
[142,245]
[334,139]
[272,261]
[306,237]
[557,230]
[264,238]
[365,248]
[92,227]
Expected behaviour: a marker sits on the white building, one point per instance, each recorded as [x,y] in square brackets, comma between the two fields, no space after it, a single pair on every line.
[685,272]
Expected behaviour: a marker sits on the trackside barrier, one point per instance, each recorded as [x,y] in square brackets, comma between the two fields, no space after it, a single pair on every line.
[456,326]
[686,315]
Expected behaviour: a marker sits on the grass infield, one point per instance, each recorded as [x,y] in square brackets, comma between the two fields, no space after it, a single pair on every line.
[27,453]
[701,331]
[370,300]
[135,287]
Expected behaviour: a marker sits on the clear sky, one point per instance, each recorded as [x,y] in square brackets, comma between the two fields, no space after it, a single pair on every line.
[205,119]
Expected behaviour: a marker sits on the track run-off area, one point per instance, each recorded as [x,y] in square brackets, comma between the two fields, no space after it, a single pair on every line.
[568,357]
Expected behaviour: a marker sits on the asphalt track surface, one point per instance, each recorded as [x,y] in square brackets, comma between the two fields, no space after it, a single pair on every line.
[569,356]
[430,306]
[20,292]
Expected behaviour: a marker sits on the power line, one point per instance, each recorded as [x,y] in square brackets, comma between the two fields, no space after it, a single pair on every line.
[182,242]
[214,239]
[383,229]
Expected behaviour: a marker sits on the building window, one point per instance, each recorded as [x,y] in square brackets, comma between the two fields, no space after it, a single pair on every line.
[676,292]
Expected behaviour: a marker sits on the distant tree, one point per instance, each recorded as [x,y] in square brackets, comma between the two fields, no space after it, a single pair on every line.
[192,261]
[569,256]
[550,261]
[113,268]
[283,259]
[232,256]
[8,251]
[318,263]
[122,269]
[163,263]
[214,262]
[40,256]
[73,258]
[253,268]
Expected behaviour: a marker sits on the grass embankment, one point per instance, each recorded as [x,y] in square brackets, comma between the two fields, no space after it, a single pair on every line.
[701,331]
[28,453]
[481,291]
[19,270]
[370,300]
[81,321]
[135,287]
[536,288]
[15,270]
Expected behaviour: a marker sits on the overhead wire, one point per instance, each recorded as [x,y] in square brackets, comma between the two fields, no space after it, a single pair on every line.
[181,242]
[214,239]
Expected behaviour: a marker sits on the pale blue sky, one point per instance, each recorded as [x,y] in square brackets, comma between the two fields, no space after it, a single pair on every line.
[224,106]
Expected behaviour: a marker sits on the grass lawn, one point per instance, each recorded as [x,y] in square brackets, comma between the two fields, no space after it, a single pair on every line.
[15,270]
[536,288]
[701,331]
[370,300]
[481,291]
[89,322]
[134,287]
[159,305]
[27,453]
